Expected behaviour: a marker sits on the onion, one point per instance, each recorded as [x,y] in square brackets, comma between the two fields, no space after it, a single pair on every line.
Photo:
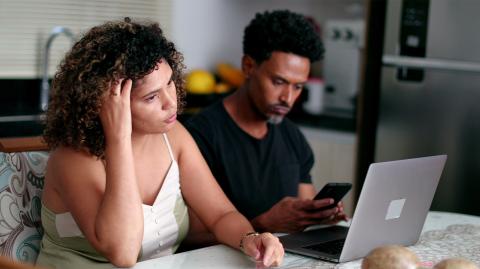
[391,257]
[455,263]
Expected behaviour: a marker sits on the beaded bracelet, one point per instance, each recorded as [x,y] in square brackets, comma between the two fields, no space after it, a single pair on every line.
[245,236]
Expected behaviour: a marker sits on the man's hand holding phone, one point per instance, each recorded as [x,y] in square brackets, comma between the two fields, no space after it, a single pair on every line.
[293,214]
[335,191]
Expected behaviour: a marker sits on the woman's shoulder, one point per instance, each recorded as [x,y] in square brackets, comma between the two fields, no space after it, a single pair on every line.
[68,157]
[177,132]
[179,137]
[69,152]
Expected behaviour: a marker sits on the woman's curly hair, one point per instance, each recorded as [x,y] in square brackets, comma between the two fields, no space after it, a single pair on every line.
[106,53]
[281,30]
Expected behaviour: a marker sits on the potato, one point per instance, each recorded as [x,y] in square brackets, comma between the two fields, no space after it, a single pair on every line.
[391,257]
[455,263]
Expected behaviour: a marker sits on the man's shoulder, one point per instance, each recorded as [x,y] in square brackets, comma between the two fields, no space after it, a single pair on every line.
[289,123]
[209,115]
[289,126]
[213,109]
[208,122]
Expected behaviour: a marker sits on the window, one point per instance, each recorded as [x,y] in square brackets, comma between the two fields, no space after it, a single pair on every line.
[26,24]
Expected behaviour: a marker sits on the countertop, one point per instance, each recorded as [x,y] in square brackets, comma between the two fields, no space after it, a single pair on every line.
[326,121]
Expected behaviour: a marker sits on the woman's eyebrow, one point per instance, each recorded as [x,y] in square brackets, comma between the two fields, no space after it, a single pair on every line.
[138,82]
[150,93]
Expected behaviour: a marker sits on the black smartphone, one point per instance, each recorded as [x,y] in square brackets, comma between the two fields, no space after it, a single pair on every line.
[336,191]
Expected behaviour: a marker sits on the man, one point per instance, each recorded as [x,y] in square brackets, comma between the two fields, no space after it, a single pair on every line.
[260,159]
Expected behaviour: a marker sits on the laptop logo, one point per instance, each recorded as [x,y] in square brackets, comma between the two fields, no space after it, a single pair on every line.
[395,209]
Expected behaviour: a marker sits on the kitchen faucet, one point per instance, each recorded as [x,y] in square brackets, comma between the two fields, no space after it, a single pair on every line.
[56,31]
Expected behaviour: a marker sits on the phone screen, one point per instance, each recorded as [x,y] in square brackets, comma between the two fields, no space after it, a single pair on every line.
[336,191]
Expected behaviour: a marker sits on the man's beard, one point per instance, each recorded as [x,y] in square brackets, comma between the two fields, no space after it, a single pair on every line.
[271,119]
[275,119]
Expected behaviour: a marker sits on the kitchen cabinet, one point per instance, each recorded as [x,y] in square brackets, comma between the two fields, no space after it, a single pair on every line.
[334,159]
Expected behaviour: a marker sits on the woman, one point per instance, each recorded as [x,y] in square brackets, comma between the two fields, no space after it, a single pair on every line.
[121,166]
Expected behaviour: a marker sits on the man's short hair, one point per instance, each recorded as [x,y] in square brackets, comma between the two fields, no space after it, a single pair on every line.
[281,30]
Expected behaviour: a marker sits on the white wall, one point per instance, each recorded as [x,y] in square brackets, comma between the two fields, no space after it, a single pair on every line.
[207,31]
[211,31]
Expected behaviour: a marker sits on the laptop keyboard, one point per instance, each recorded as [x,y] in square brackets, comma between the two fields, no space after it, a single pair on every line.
[330,247]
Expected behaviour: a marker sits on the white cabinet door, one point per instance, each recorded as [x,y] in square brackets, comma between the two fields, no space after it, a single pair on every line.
[334,159]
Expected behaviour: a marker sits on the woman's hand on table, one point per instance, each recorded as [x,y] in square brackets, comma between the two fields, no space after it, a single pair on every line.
[264,248]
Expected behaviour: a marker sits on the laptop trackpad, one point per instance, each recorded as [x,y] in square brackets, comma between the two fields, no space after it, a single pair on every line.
[314,236]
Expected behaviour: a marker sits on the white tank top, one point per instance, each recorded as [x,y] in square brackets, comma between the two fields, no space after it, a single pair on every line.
[161,220]
[165,221]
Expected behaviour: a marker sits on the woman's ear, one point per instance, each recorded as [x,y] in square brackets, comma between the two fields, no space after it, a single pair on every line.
[248,65]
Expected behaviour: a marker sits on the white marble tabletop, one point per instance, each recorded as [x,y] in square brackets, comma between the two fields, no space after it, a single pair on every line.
[430,248]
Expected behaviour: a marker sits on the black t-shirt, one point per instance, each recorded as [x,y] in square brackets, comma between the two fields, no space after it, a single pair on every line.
[254,173]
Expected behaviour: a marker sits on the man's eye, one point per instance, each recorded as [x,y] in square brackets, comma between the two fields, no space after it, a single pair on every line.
[278,82]
[299,87]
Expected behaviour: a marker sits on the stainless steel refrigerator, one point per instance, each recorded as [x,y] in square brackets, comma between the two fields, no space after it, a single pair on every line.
[430,93]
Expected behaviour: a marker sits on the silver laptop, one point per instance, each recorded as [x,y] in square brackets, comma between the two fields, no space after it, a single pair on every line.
[392,208]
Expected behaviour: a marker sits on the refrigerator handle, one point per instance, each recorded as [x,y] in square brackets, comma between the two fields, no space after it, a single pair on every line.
[430,63]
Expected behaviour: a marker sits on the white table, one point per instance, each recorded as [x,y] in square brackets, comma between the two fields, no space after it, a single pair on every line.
[221,256]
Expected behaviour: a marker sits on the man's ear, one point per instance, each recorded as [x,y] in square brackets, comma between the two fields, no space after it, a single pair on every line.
[248,65]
